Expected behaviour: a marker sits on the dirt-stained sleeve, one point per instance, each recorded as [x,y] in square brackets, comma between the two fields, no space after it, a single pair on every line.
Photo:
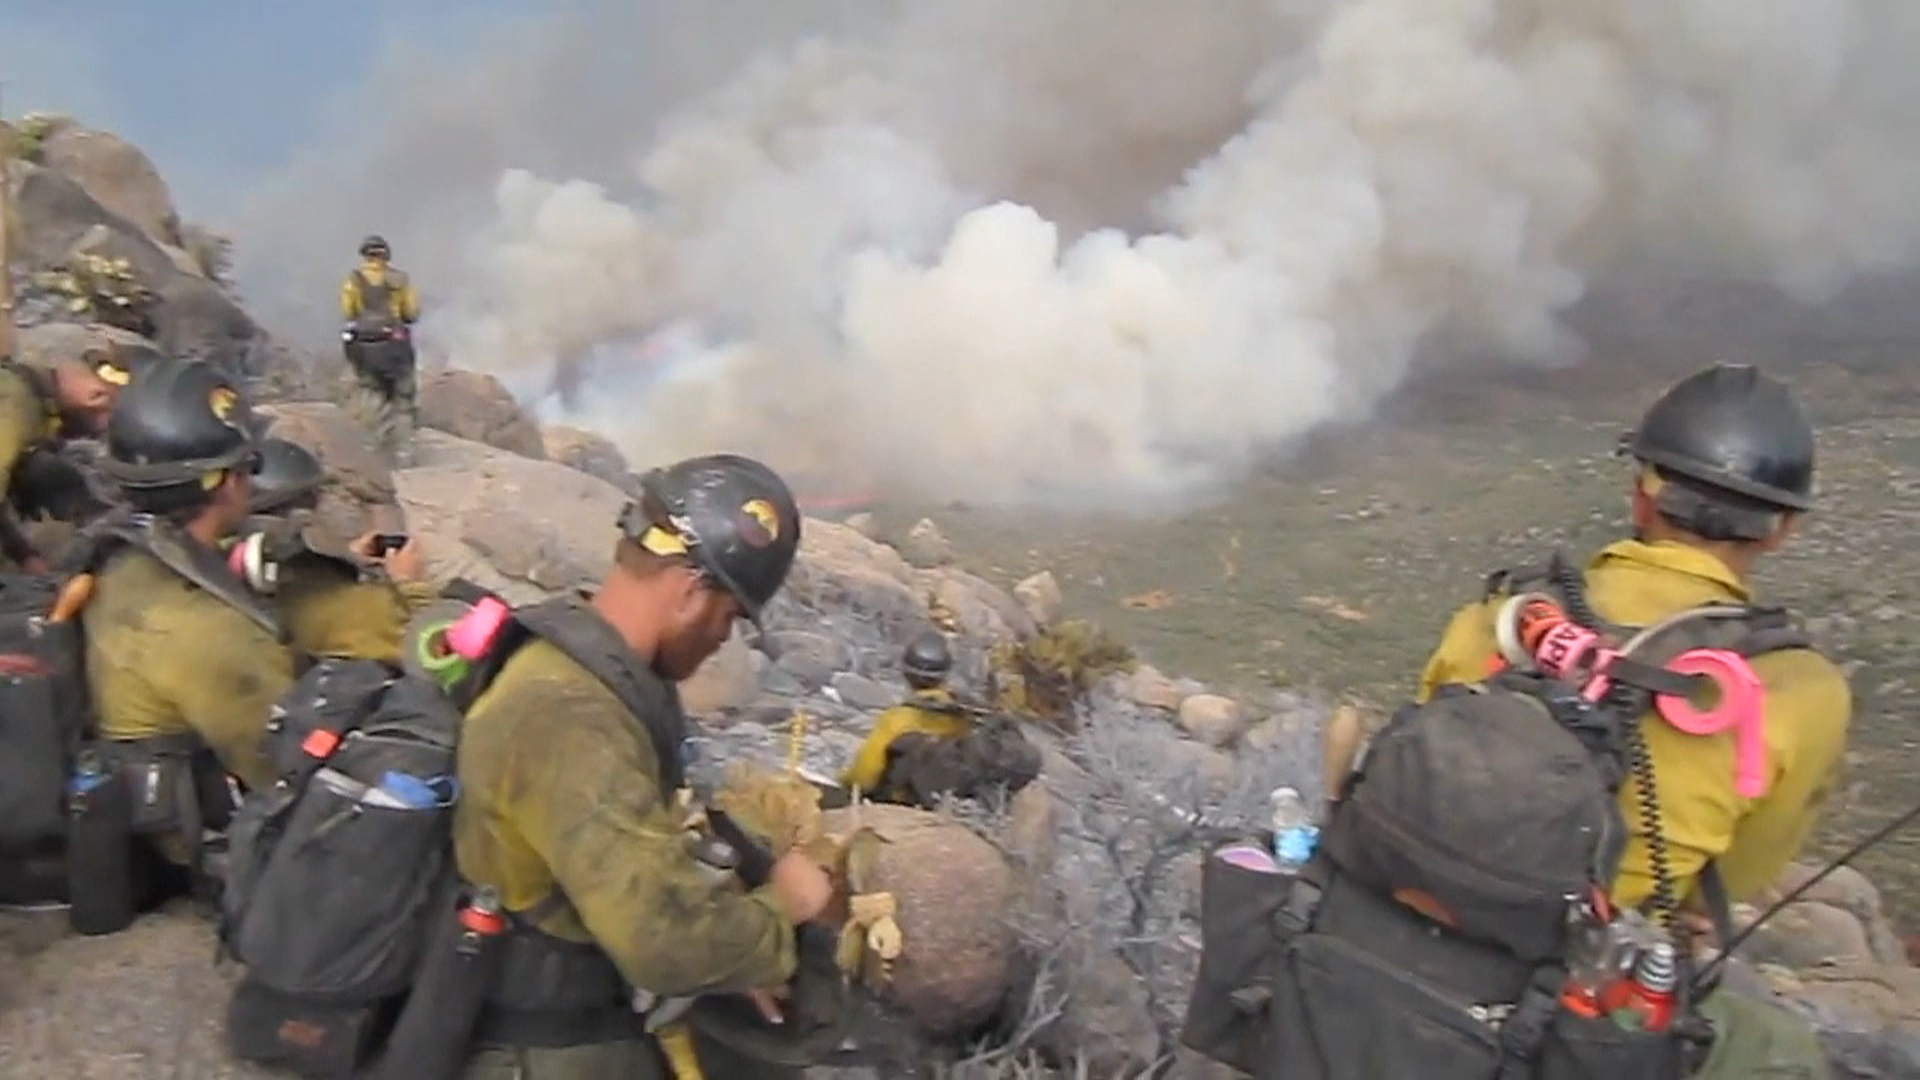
[584,795]
[226,683]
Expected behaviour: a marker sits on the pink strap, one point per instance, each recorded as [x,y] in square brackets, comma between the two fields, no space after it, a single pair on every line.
[473,635]
[1569,650]
[1738,708]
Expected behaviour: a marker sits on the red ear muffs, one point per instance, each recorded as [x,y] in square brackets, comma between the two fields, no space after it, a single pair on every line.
[249,562]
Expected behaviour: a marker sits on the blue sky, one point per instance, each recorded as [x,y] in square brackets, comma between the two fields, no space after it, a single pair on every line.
[216,91]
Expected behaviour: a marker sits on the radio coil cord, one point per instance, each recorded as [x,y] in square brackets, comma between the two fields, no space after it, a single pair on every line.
[1627,703]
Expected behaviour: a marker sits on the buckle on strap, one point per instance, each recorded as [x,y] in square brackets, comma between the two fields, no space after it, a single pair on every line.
[1295,916]
[1525,1028]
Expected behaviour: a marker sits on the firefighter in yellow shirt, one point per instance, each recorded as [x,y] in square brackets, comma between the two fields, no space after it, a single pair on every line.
[380,306]
[1724,472]
[934,744]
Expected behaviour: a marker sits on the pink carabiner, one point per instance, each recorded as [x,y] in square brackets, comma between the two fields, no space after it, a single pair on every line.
[1738,708]
[473,635]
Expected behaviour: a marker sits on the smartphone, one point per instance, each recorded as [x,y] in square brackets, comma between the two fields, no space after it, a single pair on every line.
[386,543]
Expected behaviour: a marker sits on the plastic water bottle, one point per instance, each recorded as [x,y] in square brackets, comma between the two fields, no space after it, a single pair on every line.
[1294,833]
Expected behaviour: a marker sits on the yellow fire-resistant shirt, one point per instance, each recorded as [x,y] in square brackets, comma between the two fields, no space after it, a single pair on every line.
[1807,709]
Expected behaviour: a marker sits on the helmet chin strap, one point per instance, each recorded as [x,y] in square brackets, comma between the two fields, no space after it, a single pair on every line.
[248,558]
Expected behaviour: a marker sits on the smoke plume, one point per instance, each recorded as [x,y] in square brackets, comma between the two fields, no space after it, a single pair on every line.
[1107,252]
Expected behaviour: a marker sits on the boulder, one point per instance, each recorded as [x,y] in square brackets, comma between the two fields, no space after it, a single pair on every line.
[810,657]
[1213,719]
[522,527]
[1850,891]
[46,343]
[341,445]
[1040,596]
[591,453]
[925,546]
[117,174]
[1147,686]
[956,897]
[475,406]
[192,317]
[862,692]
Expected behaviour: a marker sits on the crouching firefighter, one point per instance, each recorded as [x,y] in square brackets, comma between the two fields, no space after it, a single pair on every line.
[1459,921]
[532,834]
[335,596]
[934,744]
[183,662]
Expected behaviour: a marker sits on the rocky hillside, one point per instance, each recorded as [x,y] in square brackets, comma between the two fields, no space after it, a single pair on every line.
[98,241]
[1096,938]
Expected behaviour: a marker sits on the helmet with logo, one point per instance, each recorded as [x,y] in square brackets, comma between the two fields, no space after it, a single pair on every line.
[115,366]
[176,424]
[731,516]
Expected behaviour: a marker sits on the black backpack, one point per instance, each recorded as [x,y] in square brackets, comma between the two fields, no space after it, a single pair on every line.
[332,902]
[43,710]
[1429,934]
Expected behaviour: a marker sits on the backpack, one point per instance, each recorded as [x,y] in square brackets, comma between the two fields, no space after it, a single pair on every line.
[43,708]
[338,891]
[1464,869]
[47,732]
[992,753]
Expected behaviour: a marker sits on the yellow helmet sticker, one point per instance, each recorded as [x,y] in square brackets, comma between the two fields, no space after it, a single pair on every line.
[222,401]
[761,513]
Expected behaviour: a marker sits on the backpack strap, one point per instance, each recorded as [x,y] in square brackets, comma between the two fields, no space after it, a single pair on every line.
[184,556]
[1524,1031]
[569,625]
[1713,893]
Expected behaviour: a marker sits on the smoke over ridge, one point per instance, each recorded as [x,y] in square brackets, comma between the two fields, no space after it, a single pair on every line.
[1096,251]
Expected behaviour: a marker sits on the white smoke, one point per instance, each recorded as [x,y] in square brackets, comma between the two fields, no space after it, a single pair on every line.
[1361,179]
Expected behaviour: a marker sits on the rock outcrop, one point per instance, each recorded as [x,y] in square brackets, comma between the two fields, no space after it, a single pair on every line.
[95,246]
[475,406]
[593,454]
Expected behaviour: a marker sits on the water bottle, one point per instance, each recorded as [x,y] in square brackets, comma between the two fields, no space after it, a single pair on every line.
[1294,833]
[99,848]
[433,1035]
[1645,1001]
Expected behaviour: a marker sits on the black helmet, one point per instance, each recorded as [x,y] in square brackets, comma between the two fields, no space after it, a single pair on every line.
[927,657]
[374,243]
[1731,429]
[732,516]
[175,423]
[287,473]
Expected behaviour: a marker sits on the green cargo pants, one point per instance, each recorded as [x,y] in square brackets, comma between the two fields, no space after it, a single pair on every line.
[1760,1040]
[632,1060]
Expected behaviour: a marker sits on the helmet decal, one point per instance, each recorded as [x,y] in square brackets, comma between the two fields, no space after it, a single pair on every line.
[759,524]
[222,401]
